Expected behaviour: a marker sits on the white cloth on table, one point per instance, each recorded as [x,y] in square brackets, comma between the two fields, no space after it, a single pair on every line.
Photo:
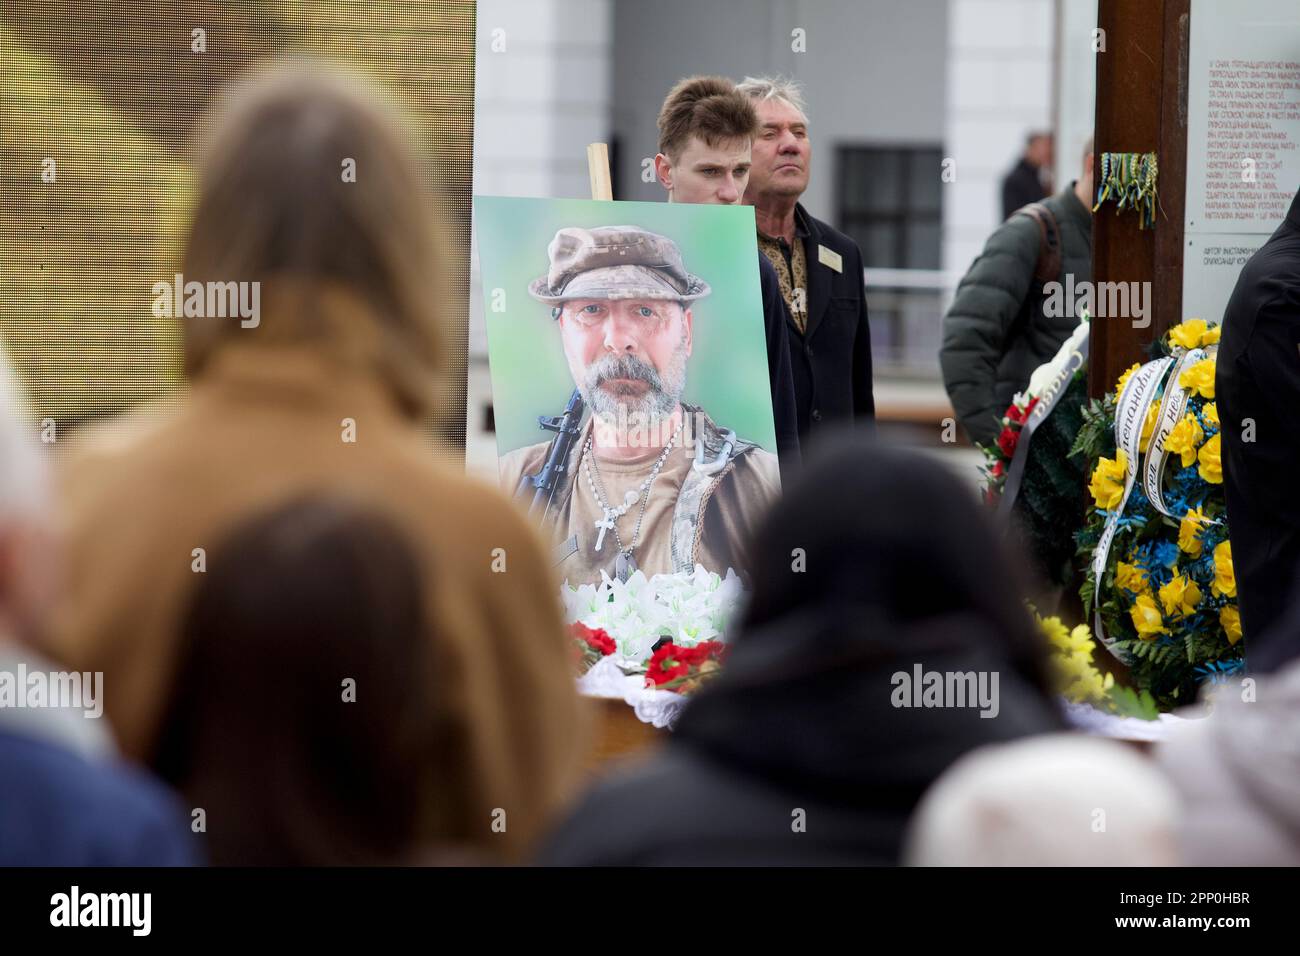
[657,707]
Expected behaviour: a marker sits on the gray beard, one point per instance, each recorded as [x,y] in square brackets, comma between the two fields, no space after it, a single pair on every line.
[649,410]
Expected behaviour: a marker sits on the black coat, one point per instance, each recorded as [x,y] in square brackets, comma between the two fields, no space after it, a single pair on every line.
[1258,378]
[797,753]
[1020,187]
[832,358]
[785,417]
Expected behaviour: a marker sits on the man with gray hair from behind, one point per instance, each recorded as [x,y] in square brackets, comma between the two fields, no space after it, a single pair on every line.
[64,801]
[819,268]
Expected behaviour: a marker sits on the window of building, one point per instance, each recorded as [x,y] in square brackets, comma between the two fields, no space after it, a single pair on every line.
[889,203]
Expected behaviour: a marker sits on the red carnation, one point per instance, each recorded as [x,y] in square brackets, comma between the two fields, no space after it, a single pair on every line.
[701,652]
[589,645]
[998,470]
[597,638]
[1007,441]
[1030,407]
[1015,414]
[667,664]
[602,642]
[683,669]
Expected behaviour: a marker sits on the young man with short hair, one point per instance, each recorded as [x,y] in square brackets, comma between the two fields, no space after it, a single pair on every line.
[706,131]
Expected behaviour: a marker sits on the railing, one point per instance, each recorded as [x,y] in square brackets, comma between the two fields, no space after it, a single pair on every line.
[906,308]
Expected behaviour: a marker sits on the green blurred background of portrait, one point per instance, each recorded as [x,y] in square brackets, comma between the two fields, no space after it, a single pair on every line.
[727,371]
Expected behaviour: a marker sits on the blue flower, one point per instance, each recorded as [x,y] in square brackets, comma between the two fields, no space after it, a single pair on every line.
[1218,672]
[1164,553]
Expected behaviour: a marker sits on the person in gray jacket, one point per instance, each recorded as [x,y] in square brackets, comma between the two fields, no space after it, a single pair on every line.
[997,331]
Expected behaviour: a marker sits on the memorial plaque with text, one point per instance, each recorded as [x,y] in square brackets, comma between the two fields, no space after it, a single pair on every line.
[1243,134]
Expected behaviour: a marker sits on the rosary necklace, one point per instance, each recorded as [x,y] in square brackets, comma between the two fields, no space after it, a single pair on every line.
[624,565]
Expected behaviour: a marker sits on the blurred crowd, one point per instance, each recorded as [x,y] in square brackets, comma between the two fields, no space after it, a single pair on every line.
[320,644]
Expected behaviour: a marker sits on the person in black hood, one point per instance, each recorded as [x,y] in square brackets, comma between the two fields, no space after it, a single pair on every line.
[811,746]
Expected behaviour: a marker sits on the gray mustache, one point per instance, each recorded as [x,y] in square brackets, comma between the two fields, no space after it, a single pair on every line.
[626,366]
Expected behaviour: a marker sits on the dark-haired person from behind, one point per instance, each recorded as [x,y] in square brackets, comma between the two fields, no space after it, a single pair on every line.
[307,699]
[814,744]
[1024,183]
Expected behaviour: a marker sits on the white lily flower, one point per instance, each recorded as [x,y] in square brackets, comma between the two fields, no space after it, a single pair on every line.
[688,608]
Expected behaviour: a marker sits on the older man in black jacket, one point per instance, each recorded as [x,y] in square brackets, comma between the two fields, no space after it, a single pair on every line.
[1258,388]
[819,268]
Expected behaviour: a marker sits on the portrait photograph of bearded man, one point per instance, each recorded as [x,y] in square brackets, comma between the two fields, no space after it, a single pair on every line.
[662,457]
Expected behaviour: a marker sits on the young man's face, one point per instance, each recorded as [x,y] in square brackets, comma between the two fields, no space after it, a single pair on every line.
[715,175]
[781,152]
[627,352]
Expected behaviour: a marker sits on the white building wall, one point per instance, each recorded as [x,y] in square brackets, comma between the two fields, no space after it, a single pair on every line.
[537,103]
[999,88]
[1076,96]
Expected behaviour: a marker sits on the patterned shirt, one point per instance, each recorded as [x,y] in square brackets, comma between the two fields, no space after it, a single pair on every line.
[791,267]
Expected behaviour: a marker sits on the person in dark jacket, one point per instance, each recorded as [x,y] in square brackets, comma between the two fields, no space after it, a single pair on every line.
[1024,184]
[1258,388]
[66,798]
[806,749]
[818,267]
[997,331]
[59,808]
[706,133]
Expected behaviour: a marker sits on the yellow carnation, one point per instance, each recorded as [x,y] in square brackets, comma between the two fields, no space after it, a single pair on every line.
[1056,633]
[1211,411]
[1146,617]
[1079,680]
[1180,596]
[1080,641]
[1211,335]
[1189,531]
[1130,577]
[1148,426]
[1107,485]
[1124,377]
[1199,378]
[1188,334]
[1230,621]
[1183,439]
[1225,578]
[1211,466]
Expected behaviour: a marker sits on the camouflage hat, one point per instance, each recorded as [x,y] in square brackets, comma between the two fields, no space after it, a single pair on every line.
[615,262]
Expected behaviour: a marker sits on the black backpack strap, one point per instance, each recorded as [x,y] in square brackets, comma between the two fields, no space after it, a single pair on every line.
[1046,269]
